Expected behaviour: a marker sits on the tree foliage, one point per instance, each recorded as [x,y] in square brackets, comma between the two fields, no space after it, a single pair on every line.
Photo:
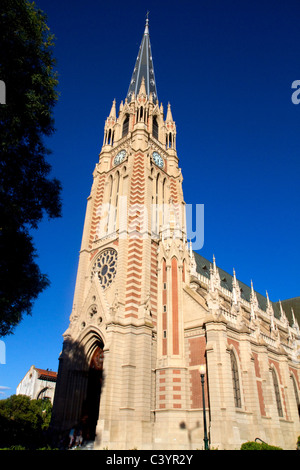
[27,192]
[24,422]
[252,445]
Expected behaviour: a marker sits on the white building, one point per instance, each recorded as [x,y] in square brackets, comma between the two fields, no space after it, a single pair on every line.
[38,384]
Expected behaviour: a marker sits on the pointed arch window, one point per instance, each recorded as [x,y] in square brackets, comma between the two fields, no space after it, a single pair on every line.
[109,204]
[277,393]
[296,394]
[109,137]
[140,114]
[155,128]
[235,381]
[164,198]
[125,126]
[116,199]
[169,140]
[157,204]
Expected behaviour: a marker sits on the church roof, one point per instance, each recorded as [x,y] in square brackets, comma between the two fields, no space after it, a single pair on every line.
[203,267]
[143,68]
[290,304]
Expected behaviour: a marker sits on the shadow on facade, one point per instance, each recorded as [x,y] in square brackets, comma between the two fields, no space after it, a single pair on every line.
[78,389]
[183,425]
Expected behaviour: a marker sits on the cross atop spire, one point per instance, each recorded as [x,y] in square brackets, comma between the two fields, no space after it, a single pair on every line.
[143,68]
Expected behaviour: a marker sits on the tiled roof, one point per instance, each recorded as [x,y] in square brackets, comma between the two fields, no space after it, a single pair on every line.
[45,374]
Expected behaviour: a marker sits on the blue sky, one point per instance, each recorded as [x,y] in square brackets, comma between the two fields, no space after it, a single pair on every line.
[227,68]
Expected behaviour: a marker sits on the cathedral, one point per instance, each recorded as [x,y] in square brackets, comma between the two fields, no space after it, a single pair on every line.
[165,350]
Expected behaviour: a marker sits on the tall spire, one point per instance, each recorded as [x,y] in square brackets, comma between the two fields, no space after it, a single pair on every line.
[143,68]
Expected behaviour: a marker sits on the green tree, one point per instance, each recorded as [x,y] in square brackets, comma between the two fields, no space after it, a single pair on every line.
[27,192]
[24,421]
[252,445]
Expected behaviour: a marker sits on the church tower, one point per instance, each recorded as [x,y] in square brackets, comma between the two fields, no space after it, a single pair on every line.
[149,312]
[126,326]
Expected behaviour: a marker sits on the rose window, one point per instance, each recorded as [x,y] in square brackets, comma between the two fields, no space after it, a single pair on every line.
[105,267]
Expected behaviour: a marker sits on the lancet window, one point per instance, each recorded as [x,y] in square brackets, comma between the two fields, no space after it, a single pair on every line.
[296,394]
[235,380]
[125,126]
[155,128]
[277,393]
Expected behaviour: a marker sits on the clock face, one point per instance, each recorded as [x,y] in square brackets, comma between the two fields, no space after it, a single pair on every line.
[158,159]
[120,157]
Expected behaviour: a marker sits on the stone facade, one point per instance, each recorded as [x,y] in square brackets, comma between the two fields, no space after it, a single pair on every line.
[148,311]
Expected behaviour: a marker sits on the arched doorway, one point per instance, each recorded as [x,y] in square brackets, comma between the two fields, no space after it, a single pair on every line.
[92,402]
